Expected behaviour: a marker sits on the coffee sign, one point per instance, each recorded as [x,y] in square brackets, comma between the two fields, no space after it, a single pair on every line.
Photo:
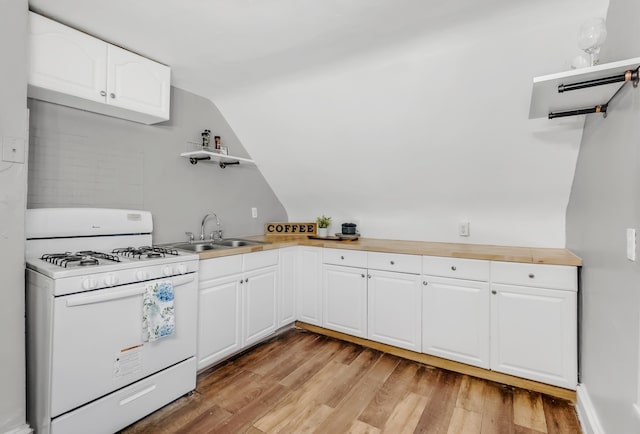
[287,228]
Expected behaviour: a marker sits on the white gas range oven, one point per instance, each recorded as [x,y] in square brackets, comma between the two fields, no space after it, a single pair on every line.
[111,320]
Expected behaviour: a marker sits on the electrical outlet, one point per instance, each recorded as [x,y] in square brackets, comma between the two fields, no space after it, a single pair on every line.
[254,212]
[463,229]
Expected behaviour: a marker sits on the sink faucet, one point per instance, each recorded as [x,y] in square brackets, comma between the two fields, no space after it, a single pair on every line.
[214,235]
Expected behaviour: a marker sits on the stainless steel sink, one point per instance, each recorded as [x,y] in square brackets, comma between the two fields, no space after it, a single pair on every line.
[228,243]
[236,243]
[197,247]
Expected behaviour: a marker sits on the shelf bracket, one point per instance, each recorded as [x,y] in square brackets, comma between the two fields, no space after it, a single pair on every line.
[223,165]
[194,160]
[597,109]
[630,75]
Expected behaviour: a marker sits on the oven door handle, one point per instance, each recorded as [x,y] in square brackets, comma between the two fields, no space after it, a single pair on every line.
[84,299]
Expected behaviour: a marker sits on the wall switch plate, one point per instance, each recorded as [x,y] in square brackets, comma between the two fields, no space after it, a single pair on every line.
[463,229]
[13,149]
[631,244]
[254,212]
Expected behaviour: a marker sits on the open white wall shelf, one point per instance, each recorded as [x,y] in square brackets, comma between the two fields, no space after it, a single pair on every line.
[548,101]
[214,157]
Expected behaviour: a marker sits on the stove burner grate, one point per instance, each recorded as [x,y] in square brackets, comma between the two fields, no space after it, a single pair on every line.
[84,258]
[145,251]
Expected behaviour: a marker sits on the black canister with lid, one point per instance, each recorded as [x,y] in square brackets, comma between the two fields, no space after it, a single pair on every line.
[348,228]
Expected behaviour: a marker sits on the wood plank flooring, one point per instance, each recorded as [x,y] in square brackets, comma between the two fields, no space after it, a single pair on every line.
[301,382]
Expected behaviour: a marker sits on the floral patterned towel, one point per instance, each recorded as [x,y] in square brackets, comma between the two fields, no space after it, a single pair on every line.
[158,313]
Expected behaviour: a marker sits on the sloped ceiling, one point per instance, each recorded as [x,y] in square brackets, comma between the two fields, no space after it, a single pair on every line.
[407,117]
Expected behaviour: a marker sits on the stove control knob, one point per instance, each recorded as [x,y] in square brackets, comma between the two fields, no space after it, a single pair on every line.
[167,270]
[181,268]
[110,280]
[89,283]
[142,275]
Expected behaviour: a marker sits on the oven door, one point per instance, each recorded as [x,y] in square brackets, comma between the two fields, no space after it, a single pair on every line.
[97,344]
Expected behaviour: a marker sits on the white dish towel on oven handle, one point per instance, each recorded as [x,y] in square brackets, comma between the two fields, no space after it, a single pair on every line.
[158,311]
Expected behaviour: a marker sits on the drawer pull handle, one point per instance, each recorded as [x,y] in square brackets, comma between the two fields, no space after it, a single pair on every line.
[454,268]
[531,276]
[425,283]
[494,292]
[138,395]
[342,257]
[391,262]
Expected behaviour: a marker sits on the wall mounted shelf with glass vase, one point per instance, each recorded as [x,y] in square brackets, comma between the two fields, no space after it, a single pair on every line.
[581,91]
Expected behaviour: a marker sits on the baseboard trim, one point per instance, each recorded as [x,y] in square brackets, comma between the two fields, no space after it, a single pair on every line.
[24,429]
[450,365]
[587,412]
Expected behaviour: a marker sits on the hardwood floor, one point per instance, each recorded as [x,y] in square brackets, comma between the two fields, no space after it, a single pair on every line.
[301,382]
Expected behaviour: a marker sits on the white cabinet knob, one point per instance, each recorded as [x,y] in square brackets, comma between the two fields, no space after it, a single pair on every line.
[167,270]
[181,269]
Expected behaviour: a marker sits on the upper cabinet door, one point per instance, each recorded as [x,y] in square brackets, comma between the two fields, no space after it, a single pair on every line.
[65,60]
[138,84]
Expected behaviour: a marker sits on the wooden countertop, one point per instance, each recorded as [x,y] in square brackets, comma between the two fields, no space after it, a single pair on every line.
[534,255]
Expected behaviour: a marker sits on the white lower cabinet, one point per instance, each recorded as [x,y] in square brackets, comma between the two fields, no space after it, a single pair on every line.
[287,278]
[394,314]
[345,300]
[309,285]
[534,322]
[259,293]
[219,319]
[219,309]
[534,334]
[515,318]
[237,303]
[456,319]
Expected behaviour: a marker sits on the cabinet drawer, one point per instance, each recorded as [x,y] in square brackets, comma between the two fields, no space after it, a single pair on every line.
[350,258]
[469,269]
[394,262]
[267,258]
[538,275]
[219,267]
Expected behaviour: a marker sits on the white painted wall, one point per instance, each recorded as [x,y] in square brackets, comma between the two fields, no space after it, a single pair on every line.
[413,138]
[83,159]
[605,201]
[13,182]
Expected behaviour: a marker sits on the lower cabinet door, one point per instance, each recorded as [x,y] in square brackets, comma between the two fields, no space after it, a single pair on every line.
[219,314]
[260,298]
[534,334]
[345,299]
[309,285]
[456,320]
[395,309]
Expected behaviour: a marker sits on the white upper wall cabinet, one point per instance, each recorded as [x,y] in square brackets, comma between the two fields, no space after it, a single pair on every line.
[71,68]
